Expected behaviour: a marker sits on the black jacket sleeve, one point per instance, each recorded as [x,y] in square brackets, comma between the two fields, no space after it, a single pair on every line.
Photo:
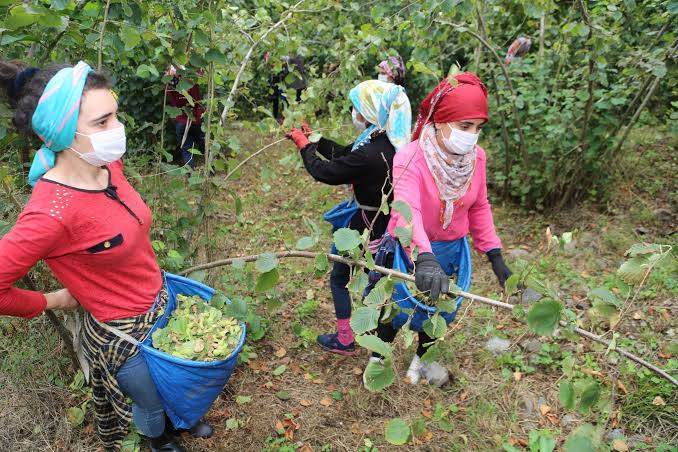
[339,170]
[331,150]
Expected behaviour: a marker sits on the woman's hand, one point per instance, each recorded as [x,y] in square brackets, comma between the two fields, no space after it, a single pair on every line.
[61,299]
[499,267]
[299,138]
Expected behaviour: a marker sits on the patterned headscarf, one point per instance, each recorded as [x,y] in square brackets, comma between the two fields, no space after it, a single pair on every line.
[56,116]
[394,67]
[386,107]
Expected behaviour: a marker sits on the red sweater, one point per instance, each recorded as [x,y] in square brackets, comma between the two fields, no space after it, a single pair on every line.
[176,99]
[93,244]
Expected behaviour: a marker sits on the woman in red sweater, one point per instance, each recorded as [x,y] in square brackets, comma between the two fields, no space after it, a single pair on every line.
[91,228]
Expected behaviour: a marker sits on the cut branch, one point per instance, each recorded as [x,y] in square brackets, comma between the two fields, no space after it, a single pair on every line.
[410,278]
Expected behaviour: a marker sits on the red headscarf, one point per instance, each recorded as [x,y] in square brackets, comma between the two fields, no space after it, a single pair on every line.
[463,98]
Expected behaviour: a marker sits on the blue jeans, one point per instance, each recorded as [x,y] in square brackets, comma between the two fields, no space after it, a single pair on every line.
[136,383]
[194,138]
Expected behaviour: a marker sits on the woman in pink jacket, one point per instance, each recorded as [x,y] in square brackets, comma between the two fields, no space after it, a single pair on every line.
[441,175]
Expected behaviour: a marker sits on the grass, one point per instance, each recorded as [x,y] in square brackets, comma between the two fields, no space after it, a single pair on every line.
[489,400]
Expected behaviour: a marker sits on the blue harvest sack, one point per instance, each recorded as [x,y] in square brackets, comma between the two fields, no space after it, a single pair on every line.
[455,259]
[187,388]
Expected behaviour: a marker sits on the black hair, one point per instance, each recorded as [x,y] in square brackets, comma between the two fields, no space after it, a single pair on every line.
[23,86]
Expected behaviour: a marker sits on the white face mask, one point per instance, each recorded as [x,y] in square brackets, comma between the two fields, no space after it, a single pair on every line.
[360,125]
[460,142]
[109,146]
[383,77]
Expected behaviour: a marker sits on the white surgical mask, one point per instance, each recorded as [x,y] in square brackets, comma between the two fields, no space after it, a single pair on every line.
[360,125]
[383,77]
[109,146]
[460,142]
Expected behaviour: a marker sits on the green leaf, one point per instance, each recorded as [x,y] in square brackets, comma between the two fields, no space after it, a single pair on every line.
[589,397]
[581,440]
[358,283]
[75,416]
[267,280]
[403,209]
[544,316]
[232,423]
[364,319]
[215,56]
[436,326]
[397,432]
[446,304]
[404,235]
[305,243]
[315,137]
[283,395]
[130,37]
[19,17]
[242,400]
[374,344]
[237,309]
[601,293]
[321,263]
[279,370]
[338,395]
[643,248]
[378,376]
[567,397]
[266,262]
[541,441]
[346,239]
[146,70]
[633,270]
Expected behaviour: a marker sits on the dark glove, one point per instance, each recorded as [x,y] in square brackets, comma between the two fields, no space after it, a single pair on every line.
[300,140]
[499,267]
[429,276]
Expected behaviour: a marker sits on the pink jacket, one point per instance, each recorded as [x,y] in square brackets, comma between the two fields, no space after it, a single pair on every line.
[415,185]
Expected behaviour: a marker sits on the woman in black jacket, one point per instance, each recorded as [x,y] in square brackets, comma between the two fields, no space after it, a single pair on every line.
[381,111]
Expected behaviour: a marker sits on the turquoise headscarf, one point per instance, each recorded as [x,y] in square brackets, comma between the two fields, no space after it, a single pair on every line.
[386,107]
[56,116]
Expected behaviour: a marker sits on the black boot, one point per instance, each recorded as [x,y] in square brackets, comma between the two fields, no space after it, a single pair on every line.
[199,430]
[165,443]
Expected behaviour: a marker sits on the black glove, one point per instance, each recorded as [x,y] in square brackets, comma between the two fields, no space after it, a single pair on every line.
[429,276]
[499,267]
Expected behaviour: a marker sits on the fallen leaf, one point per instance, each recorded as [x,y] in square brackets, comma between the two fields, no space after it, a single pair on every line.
[620,445]
[318,381]
[592,373]
[305,402]
[517,376]
[523,442]
[658,401]
[544,409]
[463,396]
[355,428]
[638,315]
[553,419]
[326,401]
[279,427]
[306,448]
[428,403]
[621,387]
[308,376]
[357,371]
[427,413]
[665,355]
[281,352]
[426,437]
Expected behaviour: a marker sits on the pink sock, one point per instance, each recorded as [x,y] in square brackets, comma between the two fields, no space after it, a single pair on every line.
[345,333]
